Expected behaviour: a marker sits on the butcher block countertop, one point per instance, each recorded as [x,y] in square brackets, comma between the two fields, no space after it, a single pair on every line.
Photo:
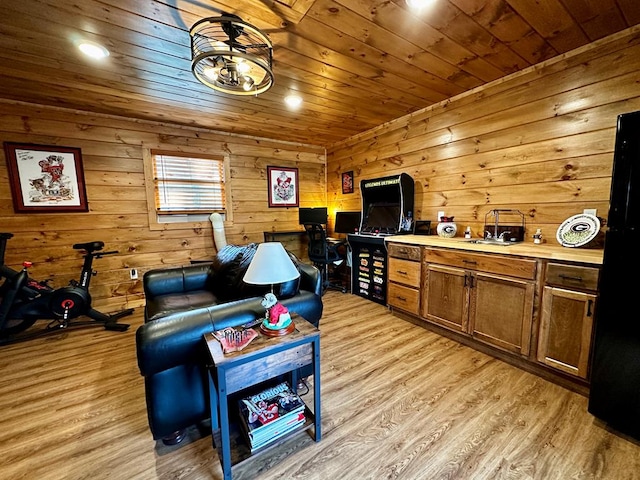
[549,250]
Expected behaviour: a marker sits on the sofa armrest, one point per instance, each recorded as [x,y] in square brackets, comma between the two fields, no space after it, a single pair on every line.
[174,340]
[163,281]
[178,338]
[310,278]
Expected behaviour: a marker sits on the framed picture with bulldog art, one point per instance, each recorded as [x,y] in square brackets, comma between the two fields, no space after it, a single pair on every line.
[283,186]
[45,179]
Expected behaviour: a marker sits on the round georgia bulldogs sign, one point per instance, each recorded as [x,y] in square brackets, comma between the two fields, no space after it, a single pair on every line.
[578,230]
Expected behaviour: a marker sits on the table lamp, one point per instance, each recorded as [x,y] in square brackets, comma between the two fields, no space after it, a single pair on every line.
[271,264]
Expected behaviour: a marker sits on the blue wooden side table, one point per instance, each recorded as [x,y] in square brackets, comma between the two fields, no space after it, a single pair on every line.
[264,358]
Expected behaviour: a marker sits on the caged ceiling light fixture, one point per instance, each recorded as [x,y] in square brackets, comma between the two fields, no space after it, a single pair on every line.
[231,56]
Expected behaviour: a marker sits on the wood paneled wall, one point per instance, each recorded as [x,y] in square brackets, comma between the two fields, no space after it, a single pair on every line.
[112,153]
[540,141]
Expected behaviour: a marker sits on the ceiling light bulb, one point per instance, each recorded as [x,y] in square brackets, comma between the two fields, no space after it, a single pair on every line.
[211,73]
[293,100]
[247,84]
[243,67]
[93,50]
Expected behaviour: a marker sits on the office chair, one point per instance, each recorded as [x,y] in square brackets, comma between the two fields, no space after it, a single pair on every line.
[324,254]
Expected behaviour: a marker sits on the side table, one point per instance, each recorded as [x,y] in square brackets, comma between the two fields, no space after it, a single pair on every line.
[264,358]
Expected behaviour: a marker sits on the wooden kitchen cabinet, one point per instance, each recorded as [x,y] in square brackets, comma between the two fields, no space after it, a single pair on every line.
[446,296]
[501,311]
[489,297]
[530,305]
[404,276]
[566,324]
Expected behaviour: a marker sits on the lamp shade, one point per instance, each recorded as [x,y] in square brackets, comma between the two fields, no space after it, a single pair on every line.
[271,264]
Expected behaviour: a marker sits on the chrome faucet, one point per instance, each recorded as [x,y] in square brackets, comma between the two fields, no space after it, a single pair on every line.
[502,236]
[487,234]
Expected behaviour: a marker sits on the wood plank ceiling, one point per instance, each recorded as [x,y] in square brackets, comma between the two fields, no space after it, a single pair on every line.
[356,63]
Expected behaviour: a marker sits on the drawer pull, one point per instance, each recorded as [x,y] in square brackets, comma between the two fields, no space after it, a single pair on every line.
[401,298]
[569,277]
[401,272]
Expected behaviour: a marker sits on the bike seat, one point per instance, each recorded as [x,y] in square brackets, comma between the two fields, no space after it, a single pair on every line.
[89,246]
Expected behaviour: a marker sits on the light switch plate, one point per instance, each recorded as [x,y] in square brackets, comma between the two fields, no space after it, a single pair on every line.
[590,211]
[134,274]
[440,215]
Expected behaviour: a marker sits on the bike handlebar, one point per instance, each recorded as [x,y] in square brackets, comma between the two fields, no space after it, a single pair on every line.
[100,254]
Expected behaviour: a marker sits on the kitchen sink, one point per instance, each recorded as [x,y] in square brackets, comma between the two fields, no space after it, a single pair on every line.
[490,241]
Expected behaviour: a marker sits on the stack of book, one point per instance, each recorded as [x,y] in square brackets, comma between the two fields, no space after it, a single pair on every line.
[270,414]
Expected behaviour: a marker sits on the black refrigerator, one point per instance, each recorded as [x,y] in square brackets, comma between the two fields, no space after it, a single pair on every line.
[615,368]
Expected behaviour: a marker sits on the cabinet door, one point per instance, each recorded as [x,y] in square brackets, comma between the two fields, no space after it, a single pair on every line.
[565,330]
[446,297]
[502,311]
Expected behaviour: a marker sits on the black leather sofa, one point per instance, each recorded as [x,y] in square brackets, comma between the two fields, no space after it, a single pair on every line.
[184,303]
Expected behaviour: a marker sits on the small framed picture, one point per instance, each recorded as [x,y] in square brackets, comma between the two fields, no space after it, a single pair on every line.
[283,186]
[347,182]
[45,179]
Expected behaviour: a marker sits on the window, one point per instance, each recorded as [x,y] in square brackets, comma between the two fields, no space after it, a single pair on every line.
[185,187]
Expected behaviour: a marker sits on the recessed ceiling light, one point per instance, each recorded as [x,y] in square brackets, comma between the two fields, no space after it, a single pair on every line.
[93,50]
[293,100]
[419,4]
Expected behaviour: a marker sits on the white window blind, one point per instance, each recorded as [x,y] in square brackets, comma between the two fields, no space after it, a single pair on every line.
[186,184]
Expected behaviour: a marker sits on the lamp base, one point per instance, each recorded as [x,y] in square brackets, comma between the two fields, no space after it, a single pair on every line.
[276,332]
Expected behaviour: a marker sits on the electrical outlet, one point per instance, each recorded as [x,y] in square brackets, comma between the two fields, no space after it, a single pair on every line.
[440,215]
[590,211]
[133,273]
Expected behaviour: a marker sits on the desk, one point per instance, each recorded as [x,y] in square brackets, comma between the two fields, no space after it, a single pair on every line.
[272,236]
[295,241]
[263,359]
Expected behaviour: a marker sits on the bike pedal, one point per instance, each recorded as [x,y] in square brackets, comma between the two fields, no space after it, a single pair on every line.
[116,327]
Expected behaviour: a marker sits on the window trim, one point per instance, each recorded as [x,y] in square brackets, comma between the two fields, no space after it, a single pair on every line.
[154,223]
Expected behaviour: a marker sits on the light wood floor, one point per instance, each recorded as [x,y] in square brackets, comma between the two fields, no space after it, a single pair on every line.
[399,402]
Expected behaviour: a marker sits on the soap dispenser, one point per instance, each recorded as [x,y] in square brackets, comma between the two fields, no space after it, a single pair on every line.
[537,237]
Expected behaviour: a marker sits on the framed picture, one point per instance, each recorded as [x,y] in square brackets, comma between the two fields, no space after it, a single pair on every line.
[283,186]
[45,178]
[347,182]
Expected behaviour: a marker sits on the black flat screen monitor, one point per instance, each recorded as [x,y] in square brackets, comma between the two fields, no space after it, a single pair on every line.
[347,222]
[313,215]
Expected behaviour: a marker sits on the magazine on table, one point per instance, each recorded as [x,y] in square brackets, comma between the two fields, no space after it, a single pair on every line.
[264,414]
[291,425]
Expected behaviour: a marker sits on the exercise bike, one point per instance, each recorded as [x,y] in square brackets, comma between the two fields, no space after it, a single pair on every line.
[24,300]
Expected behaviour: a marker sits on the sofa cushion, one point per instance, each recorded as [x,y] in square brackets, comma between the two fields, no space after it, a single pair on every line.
[163,305]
